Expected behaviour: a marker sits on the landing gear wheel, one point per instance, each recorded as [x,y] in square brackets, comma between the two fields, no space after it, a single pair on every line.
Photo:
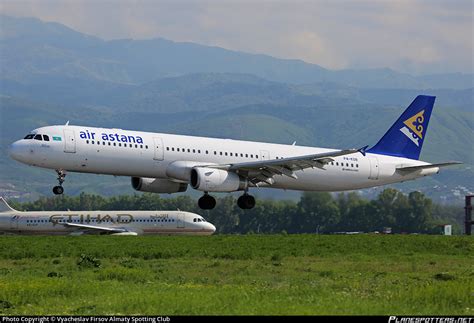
[58,190]
[246,202]
[207,202]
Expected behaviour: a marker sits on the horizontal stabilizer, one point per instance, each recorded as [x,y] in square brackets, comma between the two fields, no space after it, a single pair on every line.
[415,168]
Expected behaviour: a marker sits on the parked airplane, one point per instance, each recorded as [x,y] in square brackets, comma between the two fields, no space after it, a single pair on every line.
[130,223]
[165,163]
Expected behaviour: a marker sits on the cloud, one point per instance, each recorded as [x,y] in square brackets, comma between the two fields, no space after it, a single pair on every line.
[411,36]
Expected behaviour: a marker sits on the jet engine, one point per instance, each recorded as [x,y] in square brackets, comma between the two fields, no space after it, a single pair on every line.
[157,185]
[216,180]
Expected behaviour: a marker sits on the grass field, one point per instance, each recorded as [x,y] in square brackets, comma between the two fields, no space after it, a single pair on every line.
[231,274]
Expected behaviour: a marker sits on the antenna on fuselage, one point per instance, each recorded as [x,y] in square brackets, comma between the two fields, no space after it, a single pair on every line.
[294,143]
[67,123]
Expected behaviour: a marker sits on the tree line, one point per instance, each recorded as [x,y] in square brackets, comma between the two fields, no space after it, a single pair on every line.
[315,212]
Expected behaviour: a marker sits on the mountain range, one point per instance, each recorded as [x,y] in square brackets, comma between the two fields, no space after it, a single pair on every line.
[51,74]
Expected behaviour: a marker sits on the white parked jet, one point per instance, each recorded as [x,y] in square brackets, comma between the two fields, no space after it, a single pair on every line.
[165,163]
[102,222]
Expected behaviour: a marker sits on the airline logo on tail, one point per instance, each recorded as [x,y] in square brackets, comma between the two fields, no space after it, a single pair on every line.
[414,127]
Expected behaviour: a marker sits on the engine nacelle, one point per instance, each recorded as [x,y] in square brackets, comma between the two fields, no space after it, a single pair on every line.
[216,180]
[157,185]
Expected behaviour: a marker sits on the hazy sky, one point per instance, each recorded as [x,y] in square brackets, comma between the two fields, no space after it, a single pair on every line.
[412,36]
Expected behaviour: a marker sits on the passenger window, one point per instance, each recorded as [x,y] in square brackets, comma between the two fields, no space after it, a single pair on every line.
[38,137]
[120,144]
[241,155]
[199,151]
[29,136]
[251,156]
[226,153]
[194,150]
[45,137]
[115,144]
[146,146]
[177,149]
[230,154]
[109,143]
[168,148]
[194,220]
[220,153]
[87,141]
[337,164]
[189,150]
[256,156]
[103,143]
[136,146]
[92,142]
[246,155]
[207,152]
[141,146]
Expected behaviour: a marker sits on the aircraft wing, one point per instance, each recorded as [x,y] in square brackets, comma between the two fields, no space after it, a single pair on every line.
[95,228]
[415,168]
[263,170]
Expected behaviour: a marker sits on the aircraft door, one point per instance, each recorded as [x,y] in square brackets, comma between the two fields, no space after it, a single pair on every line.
[374,168]
[180,221]
[14,222]
[264,155]
[159,149]
[69,141]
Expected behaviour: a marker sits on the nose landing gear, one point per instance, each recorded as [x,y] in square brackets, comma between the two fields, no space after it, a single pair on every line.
[58,190]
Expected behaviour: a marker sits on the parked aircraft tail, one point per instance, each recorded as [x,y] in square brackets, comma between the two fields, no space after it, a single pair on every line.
[406,136]
[4,207]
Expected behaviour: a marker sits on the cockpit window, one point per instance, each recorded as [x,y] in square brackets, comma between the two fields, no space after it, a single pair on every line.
[30,136]
[45,137]
[38,137]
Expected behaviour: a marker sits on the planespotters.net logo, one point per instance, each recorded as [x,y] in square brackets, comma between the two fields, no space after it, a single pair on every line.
[396,319]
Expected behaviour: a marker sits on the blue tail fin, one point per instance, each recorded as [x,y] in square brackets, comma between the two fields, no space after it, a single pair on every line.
[406,136]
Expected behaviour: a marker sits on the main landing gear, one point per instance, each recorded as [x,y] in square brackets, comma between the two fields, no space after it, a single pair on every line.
[58,190]
[246,201]
[207,202]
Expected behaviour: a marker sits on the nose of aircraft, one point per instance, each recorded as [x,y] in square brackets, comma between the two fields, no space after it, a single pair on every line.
[212,228]
[16,150]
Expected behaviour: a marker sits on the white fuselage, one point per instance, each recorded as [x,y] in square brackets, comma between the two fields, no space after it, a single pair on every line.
[157,155]
[134,222]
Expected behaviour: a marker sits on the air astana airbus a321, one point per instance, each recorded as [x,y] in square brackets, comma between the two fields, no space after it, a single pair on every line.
[165,163]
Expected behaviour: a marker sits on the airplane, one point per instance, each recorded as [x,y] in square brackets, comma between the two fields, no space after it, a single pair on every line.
[116,223]
[168,163]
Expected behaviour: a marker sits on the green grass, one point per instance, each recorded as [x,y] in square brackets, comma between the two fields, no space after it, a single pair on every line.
[224,274]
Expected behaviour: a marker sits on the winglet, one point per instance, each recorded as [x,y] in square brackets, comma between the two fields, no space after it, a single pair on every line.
[4,207]
[363,150]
